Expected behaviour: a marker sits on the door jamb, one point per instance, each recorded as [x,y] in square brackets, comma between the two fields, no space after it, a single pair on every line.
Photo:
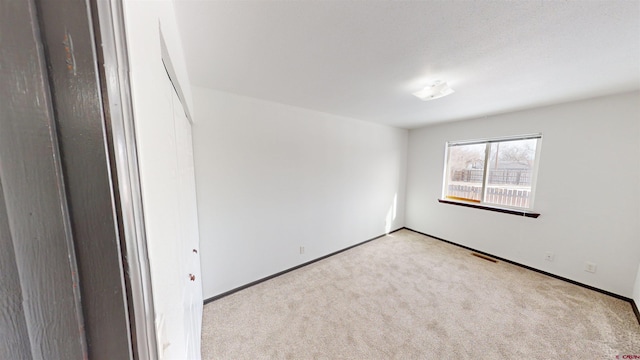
[114,73]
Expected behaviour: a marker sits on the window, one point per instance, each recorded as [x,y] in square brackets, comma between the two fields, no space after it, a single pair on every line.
[493,172]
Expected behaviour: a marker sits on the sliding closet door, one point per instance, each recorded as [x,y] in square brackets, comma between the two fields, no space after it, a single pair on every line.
[72,62]
[14,338]
[188,219]
[40,309]
[62,278]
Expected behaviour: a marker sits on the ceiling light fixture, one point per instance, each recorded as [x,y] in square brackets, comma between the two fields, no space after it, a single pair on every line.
[437,90]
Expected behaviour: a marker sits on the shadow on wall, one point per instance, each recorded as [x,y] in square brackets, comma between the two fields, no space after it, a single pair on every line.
[391,214]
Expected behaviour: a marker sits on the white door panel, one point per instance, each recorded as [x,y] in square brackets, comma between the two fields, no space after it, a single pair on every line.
[189,236]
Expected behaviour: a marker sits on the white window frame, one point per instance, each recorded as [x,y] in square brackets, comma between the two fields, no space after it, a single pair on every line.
[488,142]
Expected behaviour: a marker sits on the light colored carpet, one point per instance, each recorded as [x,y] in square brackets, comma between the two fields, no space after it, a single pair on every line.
[407,296]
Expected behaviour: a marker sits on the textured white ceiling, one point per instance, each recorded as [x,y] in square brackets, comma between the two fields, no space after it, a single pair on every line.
[363,59]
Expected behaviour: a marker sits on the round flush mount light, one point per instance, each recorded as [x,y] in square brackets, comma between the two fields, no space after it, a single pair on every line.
[435,91]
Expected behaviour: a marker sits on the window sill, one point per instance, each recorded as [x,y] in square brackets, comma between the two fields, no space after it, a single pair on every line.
[524,213]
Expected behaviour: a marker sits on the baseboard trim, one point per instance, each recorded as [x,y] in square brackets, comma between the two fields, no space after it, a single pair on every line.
[534,269]
[635,309]
[227,293]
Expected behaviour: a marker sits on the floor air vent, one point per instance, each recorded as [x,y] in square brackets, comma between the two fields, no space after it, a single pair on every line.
[484,257]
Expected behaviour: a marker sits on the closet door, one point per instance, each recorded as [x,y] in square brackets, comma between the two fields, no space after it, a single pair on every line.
[62,283]
[188,225]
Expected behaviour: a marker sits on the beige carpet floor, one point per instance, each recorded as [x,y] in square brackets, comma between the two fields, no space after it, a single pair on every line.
[407,296]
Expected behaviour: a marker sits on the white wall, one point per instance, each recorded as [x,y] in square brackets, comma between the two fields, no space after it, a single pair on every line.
[272,178]
[155,108]
[592,218]
[636,289]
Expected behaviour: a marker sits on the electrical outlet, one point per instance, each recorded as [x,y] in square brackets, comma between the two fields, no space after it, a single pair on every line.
[549,256]
[590,267]
[301,249]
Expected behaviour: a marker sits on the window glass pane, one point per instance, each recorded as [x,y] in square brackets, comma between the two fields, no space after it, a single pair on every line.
[465,167]
[510,172]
